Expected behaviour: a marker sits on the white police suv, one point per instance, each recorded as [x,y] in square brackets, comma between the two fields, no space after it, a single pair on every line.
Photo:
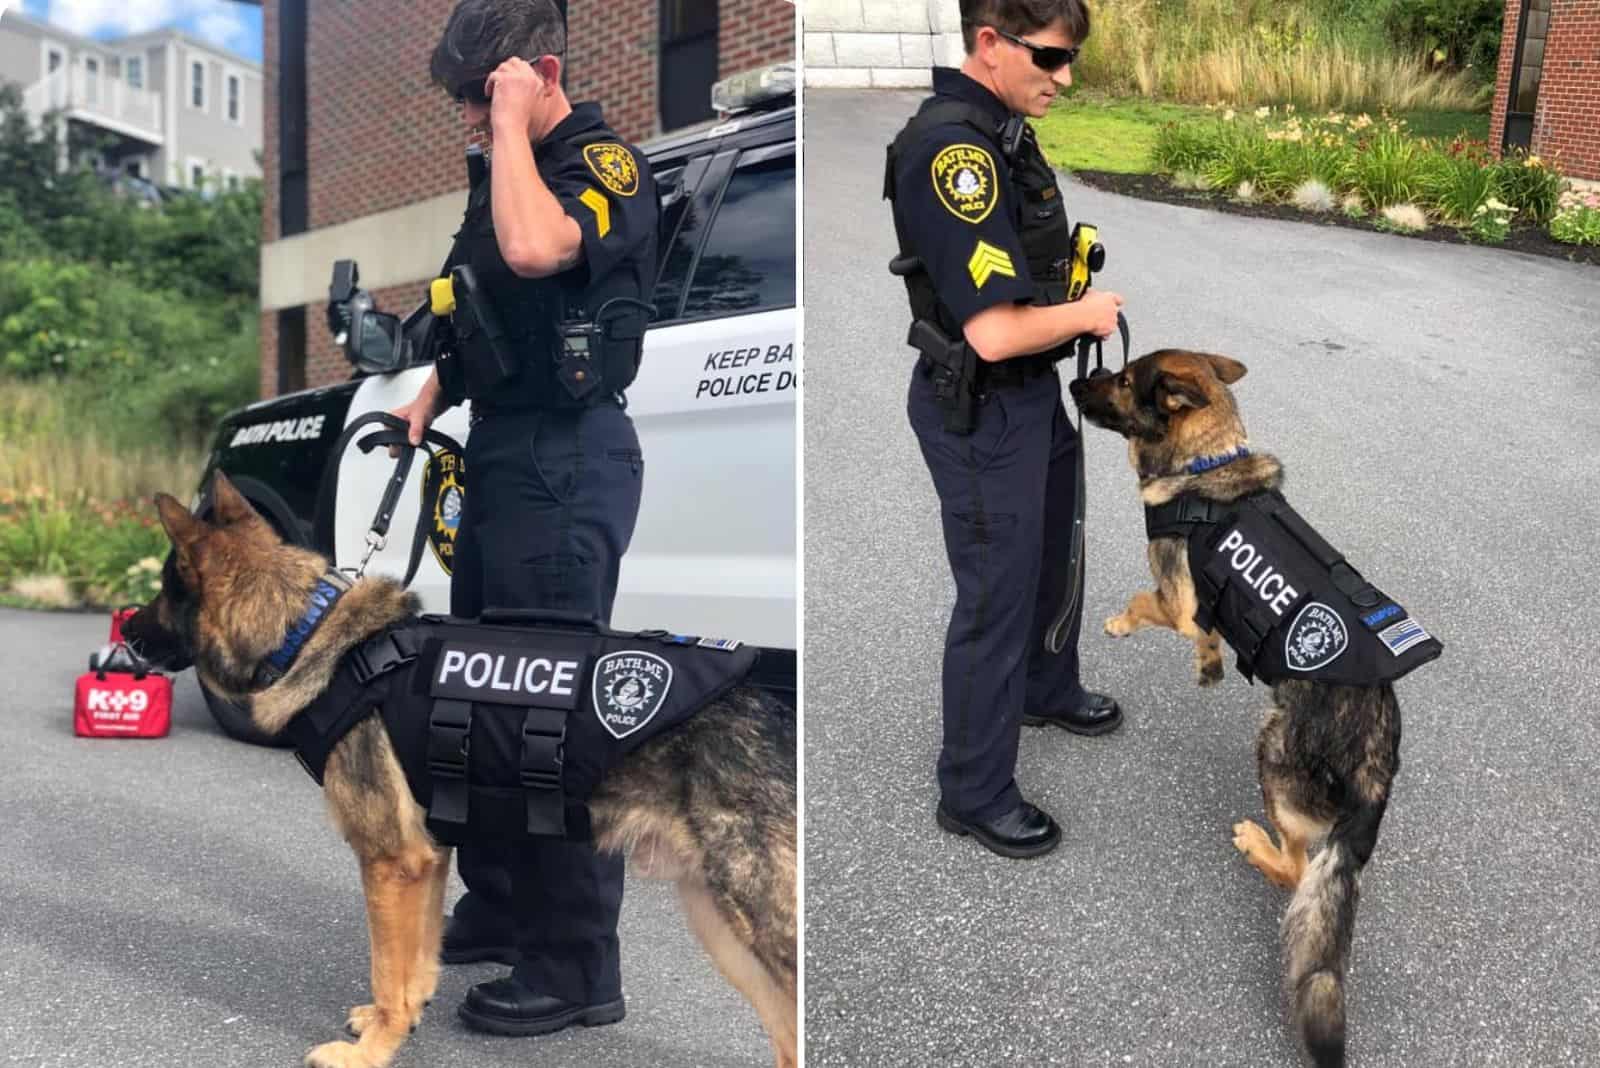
[714,404]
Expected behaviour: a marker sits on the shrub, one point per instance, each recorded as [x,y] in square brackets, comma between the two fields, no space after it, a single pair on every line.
[1529,184]
[1388,168]
[1457,187]
[1577,226]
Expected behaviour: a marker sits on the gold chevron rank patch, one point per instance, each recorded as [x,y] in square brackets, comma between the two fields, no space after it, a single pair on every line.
[988,260]
[596,202]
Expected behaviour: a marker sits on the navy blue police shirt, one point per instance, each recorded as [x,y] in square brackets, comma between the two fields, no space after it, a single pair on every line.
[953,189]
[604,185]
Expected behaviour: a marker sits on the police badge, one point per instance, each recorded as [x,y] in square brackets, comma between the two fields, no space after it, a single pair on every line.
[629,689]
[614,165]
[1316,637]
[964,179]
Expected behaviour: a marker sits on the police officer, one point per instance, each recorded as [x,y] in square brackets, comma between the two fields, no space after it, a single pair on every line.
[561,240]
[984,248]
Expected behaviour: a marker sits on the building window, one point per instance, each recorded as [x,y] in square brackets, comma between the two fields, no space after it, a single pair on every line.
[197,174]
[688,61]
[230,181]
[54,62]
[133,72]
[197,85]
[91,81]
[234,110]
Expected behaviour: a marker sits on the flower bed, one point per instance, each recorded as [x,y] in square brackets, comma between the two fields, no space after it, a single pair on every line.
[100,554]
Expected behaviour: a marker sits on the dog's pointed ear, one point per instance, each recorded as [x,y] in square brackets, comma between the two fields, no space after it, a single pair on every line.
[228,504]
[182,527]
[186,531]
[1227,369]
[1174,393]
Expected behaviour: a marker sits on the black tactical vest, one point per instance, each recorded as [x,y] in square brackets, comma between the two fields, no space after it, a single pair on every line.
[1035,200]
[505,731]
[532,310]
[1286,600]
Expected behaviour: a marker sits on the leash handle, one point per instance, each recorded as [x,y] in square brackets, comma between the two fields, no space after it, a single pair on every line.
[396,433]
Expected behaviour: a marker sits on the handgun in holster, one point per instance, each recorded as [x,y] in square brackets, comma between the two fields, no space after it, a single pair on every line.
[955,374]
[483,357]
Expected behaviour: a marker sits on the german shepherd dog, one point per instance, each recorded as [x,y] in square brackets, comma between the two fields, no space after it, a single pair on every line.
[709,805]
[1327,754]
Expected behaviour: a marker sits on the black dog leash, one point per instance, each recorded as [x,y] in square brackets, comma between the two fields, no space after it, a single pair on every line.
[397,433]
[1056,637]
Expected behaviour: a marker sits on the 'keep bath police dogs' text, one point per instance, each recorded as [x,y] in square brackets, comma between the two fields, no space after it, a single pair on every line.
[746,377]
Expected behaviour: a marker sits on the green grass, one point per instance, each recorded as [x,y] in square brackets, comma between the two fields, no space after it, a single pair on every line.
[1094,133]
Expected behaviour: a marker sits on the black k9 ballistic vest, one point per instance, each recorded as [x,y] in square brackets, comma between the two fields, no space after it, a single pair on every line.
[532,311]
[1286,600]
[505,731]
[1043,228]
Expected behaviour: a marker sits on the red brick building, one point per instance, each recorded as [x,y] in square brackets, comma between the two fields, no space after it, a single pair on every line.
[1547,98]
[363,157]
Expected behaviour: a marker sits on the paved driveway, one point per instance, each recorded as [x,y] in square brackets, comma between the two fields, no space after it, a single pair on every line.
[1436,409]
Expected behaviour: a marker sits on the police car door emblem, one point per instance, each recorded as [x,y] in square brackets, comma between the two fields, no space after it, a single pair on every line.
[443,495]
[1316,637]
[964,179]
[630,686]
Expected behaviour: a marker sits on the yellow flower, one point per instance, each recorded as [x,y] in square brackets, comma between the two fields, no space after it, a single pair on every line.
[1263,111]
[1227,116]
[1532,161]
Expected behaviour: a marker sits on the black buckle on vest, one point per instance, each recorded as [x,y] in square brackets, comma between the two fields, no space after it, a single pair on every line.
[544,735]
[449,726]
[381,654]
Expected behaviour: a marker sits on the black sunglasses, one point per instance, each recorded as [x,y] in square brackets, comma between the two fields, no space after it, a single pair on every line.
[476,91]
[1045,57]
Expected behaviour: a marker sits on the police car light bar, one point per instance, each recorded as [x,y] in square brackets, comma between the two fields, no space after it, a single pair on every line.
[749,88]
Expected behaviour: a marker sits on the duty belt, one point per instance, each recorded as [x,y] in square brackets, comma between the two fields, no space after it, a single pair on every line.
[1002,374]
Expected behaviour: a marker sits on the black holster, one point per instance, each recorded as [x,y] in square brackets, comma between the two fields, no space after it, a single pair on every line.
[954,373]
[484,360]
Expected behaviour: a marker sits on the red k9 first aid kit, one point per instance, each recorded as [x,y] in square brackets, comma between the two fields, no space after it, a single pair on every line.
[119,696]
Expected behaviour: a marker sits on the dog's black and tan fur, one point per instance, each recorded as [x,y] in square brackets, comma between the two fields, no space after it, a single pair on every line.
[1327,754]
[709,805]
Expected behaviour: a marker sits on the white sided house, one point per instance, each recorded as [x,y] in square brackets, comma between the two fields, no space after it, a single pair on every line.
[163,106]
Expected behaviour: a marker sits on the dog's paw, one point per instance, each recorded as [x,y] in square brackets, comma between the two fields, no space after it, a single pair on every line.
[1251,840]
[1210,671]
[361,1018]
[336,1055]
[1119,626]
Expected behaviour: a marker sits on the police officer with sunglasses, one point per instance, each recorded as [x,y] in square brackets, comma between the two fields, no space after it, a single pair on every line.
[560,239]
[984,251]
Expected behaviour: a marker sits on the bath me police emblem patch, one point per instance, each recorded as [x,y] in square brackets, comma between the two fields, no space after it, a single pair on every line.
[630,686]
[1316,637]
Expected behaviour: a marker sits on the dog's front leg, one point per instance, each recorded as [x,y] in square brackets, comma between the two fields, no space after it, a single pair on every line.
[1144,610]
[398,892]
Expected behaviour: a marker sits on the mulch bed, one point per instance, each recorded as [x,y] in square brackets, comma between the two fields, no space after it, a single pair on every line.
[1528,239]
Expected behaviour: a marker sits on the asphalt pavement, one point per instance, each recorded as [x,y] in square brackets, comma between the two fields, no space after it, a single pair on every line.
[184,901]
[1435,409]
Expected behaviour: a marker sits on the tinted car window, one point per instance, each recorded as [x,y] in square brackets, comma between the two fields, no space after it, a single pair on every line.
[748,260]
[677,255]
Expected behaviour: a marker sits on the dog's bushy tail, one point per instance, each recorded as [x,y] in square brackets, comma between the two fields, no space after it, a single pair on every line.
[1317,931]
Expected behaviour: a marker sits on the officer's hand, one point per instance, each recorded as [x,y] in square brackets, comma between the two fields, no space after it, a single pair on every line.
[1101,306]
[517,95]
[419,414]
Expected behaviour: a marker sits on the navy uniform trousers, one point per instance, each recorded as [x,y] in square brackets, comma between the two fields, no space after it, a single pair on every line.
[551,501]
[1007,493]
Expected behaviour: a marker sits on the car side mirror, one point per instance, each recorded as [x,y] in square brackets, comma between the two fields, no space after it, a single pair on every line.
[375,343]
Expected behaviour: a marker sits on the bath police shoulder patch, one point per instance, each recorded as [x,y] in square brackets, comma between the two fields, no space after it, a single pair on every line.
[629,688]
[1316,637]
[614,165]
[443,494]
[964,179]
